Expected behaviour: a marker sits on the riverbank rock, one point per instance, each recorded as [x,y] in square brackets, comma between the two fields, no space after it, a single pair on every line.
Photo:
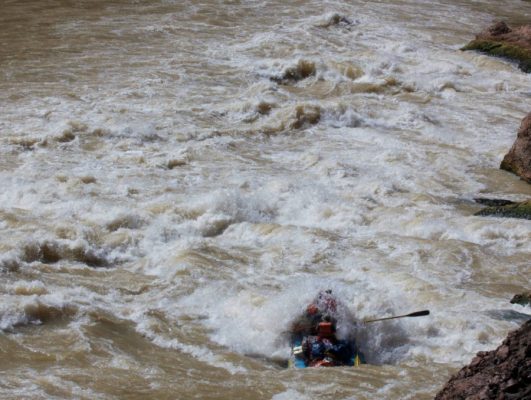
[502,41]
[524,299]
[518,160]
[513,210]
[504,373]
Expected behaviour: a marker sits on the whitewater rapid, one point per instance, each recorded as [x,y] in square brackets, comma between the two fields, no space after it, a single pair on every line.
[181,178]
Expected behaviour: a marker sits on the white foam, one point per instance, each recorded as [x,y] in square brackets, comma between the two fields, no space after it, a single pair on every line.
[291,394]
[239,216]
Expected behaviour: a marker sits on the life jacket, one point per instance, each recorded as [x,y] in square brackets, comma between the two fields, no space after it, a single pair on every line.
[325,329]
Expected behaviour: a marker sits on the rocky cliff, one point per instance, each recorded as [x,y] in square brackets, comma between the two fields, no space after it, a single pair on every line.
[502,374]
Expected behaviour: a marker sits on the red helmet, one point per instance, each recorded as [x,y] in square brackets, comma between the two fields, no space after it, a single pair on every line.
[312,309]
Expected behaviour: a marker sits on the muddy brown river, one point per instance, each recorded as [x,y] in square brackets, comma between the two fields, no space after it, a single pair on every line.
[180,178]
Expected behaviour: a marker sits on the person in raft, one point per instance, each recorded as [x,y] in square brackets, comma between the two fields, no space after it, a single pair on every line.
[324,305]
[316,331]
[325,349]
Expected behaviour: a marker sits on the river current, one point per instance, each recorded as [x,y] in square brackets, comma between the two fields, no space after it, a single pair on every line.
[180,178]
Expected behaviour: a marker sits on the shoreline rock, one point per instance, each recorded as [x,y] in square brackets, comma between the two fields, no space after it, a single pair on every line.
[503,373]
[502,41]
[504,208]
[518,159]
[524,299]
[493,202]
[520,210]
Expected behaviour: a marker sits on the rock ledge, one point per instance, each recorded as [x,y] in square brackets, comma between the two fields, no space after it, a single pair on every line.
[501,41]
[512,210]
[502,374]
[518,159]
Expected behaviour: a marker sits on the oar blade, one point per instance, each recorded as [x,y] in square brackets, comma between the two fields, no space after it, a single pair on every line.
[419,313]
[414,314]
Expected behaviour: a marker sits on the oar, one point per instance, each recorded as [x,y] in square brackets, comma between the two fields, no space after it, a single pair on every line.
[414,314]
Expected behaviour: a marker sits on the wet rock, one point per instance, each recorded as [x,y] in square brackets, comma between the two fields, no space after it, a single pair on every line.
[504,373]
[493,202]
[498,28]
[304,69]
[515,210]
[502,41]
[524,299]
[518,160]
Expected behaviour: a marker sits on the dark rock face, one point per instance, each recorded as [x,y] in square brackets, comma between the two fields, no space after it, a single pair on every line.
[524,299]
[502,374]
[502,41]
[493,202]
[518,160]
[512,210]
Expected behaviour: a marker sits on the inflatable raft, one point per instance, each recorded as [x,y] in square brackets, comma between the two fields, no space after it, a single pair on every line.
[300,356]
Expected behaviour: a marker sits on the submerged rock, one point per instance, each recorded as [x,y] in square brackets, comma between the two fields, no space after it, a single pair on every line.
[524,299]
[511,210]
[518,160]
[504,373]
[502,41]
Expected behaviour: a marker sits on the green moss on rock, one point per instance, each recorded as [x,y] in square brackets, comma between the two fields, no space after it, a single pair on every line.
[524,299]
[518,210]
[499,49]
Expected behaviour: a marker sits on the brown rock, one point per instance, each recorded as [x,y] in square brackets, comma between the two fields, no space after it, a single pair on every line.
[502,353]
[518,160]
[502,41]
[499,31]
[499,28]
[502,374]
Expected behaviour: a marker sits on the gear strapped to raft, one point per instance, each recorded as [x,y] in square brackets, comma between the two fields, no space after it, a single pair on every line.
[313,337]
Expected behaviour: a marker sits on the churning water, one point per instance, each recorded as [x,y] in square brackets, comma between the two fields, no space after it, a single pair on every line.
[180,178]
